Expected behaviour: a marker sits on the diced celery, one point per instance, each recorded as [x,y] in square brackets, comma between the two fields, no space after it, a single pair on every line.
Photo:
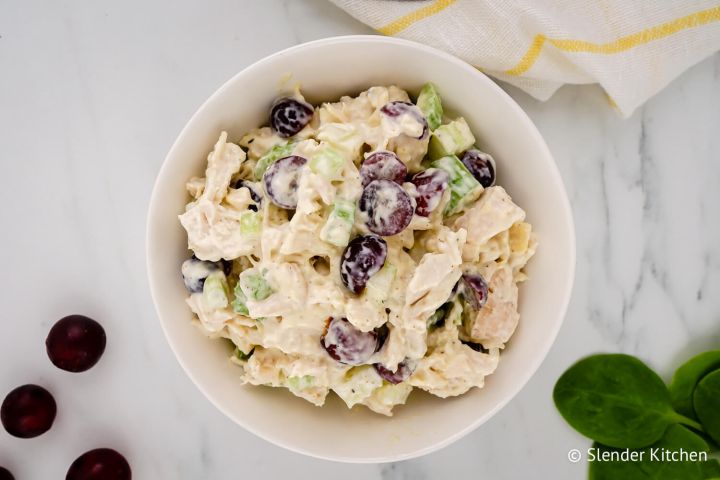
[274,154]
[240,355]
[450,139]
[379,285]
[429,103]
[339,223]
[358,385]
[462,183]
[328,163]
[259,288]
[300,383]
[215,291]
[239,305]
[250,223]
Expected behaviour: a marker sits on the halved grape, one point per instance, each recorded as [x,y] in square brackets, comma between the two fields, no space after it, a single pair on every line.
[388,207]
[481,165]
[195,271]
[281,181]
[99,464]
[28,411]
[403,372]
[288,116]
[347,344]
[5,474]
[363,257]
[430,185]
[399,108]
[474,289]
[75,343]
[382,164]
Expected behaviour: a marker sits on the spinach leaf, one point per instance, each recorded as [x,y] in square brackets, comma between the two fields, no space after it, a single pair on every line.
[686,378]
[707,404]
[650,466]
[616,400]
[711,469]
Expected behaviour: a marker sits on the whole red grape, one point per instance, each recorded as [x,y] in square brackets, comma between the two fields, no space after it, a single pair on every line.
[28,411]
[75,343]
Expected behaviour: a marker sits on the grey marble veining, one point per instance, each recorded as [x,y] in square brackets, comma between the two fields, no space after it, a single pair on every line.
[92,94]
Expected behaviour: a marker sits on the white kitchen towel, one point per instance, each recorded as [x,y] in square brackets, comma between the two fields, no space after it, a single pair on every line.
[632,48]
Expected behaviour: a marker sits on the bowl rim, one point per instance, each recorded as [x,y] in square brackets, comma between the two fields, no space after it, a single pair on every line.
[566,212]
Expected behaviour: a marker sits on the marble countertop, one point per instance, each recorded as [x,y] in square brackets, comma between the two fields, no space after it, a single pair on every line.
[92,94]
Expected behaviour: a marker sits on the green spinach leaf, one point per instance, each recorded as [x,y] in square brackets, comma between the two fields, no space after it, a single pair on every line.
[711,469]
[649,464]
[616,400]
[707,404]
[687,377]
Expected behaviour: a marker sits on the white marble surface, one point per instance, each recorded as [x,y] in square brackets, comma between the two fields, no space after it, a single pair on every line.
[92,94]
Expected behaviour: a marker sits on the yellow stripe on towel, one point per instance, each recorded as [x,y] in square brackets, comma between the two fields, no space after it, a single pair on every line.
[397,26]
[620,45]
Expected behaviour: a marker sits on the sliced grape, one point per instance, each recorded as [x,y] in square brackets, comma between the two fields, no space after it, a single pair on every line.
[388,207]
[363,257]
[399,109]
[75,343]
[195,271]
[5,474]
[474,289]
[288,116]
[347,344]
[481,165]
[403,372]
[382,165]
[430,185]
[99,464]
[281,181]
[28,411]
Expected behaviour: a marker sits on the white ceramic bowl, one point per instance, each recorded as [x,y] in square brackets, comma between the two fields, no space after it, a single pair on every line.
[327,69]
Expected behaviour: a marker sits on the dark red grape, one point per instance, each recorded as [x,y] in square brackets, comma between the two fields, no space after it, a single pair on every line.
[347,344]
[481,165]
[195,271]
[430,185]
[385,165]
[288,116]
[75,343]
[388,207]
[281,181]
[99,464]
[28,411]
[403,372]
[474,289]
[363,257]
[399,108]
[5,474]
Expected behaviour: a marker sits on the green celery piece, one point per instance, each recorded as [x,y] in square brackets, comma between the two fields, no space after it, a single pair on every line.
[274,154]
[259,287]
[339,223]
[462,182]
[239,305]
[328,163]
[301,383]
[215,291]
[250,223]
[450,139]
[431,106]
